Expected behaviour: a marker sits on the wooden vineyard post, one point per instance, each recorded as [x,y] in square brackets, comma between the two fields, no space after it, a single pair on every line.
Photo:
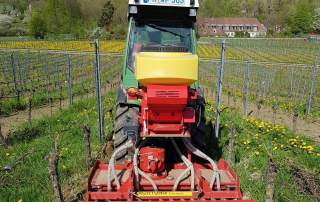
[312,88]
[291,77]
[234,99]
[274,114]
[259,102]
[54,175]
[271,176]
[2,139]
[51,105]
[246,89]
[231,145]
[87,146]
[30,110]
[60,97]
[294,120]
[14,76]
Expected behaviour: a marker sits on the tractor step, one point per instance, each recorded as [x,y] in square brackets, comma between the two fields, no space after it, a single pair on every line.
[98,188]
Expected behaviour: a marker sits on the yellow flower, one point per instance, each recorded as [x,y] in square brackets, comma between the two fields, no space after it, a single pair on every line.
[318,155]
[7,154]
[309,148]
[20,200]
[257,153]
[275,148]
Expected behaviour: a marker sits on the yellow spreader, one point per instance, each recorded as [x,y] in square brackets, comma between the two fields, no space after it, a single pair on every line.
[165,68]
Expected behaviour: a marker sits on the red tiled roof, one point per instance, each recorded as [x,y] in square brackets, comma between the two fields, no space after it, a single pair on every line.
[231,21]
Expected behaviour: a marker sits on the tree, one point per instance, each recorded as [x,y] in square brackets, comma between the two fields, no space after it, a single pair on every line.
[316,20]
[302,19]
[107,14]
[38,26]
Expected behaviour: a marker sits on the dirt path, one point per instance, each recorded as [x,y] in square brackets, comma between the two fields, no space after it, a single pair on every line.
[10,122]
[303,126]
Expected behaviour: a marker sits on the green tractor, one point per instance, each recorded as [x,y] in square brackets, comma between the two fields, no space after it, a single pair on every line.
[155,29]
[159,124]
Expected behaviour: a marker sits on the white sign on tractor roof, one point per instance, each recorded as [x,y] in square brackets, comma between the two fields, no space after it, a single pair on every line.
[176,3]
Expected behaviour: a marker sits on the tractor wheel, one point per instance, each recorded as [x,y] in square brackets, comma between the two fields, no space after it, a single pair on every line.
[126,128]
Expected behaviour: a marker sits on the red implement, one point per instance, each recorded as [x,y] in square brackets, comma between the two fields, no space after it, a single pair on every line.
[163,167]
[230,185]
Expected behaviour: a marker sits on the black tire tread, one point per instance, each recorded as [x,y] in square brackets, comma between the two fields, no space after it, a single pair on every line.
[123,115]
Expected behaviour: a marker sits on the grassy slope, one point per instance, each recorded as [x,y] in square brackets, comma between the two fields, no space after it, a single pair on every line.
[30,180]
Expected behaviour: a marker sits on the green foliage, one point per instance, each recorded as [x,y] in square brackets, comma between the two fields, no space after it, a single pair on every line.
[242,35]
[12,105]
[27,133]
[20,5]
[38,26]
[302,18]
[288,16]
[316,20]
[106,16]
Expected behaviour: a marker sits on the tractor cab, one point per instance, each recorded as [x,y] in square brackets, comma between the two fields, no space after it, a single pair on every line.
[159,29]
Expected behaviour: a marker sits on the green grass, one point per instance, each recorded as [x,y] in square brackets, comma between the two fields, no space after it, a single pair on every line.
[256,142]
[30,180]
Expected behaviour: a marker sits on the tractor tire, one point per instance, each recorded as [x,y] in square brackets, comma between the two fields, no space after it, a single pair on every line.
[126,129]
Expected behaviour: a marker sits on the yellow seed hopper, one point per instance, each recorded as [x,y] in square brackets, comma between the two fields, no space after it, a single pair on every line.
[164,68]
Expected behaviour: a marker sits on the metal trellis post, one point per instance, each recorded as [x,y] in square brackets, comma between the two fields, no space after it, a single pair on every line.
[98,90]
[246,88]
[219,88]
[70,80]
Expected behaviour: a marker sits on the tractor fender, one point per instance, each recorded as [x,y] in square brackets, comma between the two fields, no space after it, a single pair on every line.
[121,98]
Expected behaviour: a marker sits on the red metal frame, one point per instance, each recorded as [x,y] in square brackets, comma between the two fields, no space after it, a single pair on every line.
[164,113]
[230,189]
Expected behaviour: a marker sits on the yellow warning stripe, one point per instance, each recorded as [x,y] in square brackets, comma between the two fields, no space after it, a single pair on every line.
[144,194]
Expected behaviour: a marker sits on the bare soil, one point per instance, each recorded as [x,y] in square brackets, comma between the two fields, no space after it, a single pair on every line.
[11,122]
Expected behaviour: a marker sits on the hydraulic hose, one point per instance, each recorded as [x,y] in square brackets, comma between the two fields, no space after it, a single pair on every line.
[188,164]
[197,152]
[137,170]
[111,168]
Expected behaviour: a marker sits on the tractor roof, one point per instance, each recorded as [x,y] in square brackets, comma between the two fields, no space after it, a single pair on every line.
[166,3]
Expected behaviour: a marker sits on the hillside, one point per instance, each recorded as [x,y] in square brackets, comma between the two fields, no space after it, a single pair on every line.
[81,18]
